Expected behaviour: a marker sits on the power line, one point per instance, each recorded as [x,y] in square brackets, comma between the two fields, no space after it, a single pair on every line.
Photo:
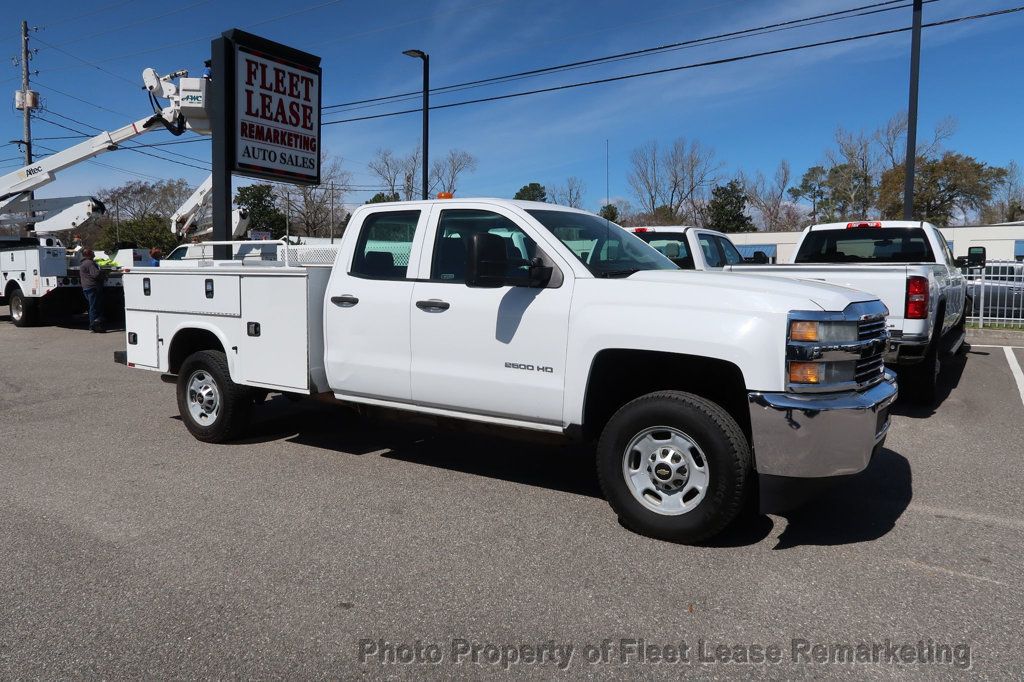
[713,62]
[88,14]
[146,20]
[87,62]
[107,165]
[126,145]
[79,99]
[204,38]
[134,148]
[721,37]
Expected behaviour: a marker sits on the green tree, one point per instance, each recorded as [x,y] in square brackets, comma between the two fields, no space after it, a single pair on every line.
[945,188]
[610,212]
[148,232]
[382,198]
[814,189]
[727,209]
[532,192]
[260,202]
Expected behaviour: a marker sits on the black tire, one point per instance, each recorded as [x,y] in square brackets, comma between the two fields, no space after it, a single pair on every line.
[24,311]
[234,402]
[924,377]
[721,441]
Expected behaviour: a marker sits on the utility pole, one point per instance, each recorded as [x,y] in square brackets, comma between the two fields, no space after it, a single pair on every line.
[915,76]
[26,108]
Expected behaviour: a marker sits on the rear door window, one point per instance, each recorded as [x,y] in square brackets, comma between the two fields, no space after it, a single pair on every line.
[712,256]
[385,242]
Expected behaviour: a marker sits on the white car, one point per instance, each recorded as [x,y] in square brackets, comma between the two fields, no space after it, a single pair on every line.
[698,388]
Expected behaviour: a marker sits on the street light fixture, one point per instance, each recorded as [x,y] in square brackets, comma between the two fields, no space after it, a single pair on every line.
[420,54]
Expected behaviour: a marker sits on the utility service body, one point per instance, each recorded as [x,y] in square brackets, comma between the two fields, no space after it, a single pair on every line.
[278,111]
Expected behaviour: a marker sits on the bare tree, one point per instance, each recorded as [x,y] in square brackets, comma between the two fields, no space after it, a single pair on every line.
[645,177]
[675,184]
[445,172]
[312,210]
[853,170]
[569,194]
[768,197]
[388,169]
[138,199]
[410,175]
[891,139]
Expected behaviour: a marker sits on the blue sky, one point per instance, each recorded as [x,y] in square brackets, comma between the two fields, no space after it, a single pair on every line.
[753,113]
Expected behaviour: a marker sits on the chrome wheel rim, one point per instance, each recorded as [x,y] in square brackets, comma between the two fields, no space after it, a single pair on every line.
[203,398]
[665,470]
[17,308]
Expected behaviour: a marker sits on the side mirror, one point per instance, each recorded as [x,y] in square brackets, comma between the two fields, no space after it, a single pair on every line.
[540,274]
[487,261]
[976,256]
[760,257]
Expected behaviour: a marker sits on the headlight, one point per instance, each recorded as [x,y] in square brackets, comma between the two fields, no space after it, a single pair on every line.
[836,351]
[824,331]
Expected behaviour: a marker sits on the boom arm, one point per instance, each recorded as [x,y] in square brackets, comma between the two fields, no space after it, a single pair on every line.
[189,212]
[16,185]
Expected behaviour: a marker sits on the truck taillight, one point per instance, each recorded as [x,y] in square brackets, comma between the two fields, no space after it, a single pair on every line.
[917,298]
[850,226]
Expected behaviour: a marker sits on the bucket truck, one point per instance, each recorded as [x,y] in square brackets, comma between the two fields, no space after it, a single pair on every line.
[35,268]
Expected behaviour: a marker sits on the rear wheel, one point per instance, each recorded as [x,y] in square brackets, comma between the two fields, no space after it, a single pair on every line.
[214,408]
[24,311]
[674,466]
[924,377]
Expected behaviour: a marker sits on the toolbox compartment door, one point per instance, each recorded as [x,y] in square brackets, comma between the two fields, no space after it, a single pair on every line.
[273,349]
[142,338]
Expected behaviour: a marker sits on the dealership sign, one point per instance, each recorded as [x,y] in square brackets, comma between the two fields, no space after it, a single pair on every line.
[274,110]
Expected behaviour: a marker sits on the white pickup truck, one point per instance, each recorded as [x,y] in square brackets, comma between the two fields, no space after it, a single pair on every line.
[909,266]
[699,388]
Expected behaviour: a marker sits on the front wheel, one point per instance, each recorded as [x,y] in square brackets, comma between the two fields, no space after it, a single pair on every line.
[24,311]
[214,408]
[674,466]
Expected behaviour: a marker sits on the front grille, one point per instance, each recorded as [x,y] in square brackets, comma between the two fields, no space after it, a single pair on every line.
[869,329]
[868,370]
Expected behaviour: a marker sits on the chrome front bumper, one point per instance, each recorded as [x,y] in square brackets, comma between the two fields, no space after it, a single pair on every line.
[819,435]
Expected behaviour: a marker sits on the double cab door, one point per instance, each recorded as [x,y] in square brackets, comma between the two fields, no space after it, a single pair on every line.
[402,326]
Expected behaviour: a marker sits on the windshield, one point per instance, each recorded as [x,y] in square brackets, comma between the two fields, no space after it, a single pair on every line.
[605,248]
[866,245]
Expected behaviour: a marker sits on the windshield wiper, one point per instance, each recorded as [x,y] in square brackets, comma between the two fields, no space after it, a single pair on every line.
[617,273]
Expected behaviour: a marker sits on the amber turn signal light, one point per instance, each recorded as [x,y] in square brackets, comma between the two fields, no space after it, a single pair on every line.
[805,373]
[802,330]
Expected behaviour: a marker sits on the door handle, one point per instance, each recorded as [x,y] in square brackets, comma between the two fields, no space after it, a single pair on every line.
[433,305]
[345,301]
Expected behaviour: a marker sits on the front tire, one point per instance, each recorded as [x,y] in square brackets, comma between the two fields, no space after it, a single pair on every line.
[674,466]
[214,408]
[24,311]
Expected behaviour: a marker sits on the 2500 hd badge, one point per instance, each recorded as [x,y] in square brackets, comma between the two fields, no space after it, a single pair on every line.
[529,368]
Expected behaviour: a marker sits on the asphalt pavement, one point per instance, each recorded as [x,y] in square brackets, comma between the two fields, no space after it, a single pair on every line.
[327,545]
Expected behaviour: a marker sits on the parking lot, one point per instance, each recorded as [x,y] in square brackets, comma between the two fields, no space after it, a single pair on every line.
[325,544]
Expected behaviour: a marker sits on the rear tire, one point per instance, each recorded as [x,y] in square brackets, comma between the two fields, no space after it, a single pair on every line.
[674,466]
[24,311]
[214,408]
[924,377]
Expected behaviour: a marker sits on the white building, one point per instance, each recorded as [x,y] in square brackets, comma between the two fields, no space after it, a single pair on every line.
[1002,242]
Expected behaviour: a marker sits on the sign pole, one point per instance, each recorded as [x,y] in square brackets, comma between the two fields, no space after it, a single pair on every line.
[223,66]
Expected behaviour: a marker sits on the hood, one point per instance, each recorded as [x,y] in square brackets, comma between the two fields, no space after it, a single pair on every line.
[828,297]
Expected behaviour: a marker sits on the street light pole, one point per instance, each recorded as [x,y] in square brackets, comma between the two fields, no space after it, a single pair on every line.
[915,76]
[420,54]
